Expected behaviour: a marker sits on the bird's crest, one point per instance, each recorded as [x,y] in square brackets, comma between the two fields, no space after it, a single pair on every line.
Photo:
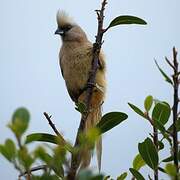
[63,18]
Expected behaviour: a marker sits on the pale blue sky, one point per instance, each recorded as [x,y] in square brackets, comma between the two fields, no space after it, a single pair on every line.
[30,74]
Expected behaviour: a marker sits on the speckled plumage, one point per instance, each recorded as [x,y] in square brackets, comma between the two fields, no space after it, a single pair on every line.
[75,62]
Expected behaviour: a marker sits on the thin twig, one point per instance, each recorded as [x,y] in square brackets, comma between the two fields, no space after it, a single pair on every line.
[14,162]
[155,141]
[170,64]
[95,61]
[75,161]
[148,118]
[19,142]
[54,127]
[28,172]
[175,110]
[16,166]
[149,177]
[42,167]
[28,177]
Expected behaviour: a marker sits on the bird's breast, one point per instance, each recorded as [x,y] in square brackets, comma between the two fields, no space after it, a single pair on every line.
[76,65]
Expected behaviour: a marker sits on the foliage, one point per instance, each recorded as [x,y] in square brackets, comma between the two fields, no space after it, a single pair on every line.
[54,160]
[158,114]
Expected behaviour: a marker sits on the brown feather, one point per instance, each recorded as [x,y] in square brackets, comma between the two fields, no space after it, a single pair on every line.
[75,61]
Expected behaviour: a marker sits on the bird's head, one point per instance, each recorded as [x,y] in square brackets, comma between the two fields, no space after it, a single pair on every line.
[68,29]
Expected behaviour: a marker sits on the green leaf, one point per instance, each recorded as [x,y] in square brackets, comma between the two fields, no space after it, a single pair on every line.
[21,113]
[110,120]
[136,174]
[107,177]
[148,103]
[91,136]
[171,158]
[8,150]
[81,107]
[58,170]
[58,160]
[138,162]
[59,155]
[164,74]
[170,129]
[161,113]
[20,121]
[97,177]
[178,124]
[45,176]
[161,169]
[43,137]
[160,126]
[168,159]
[4,152]
[41,153]
[149,153]
[160,145]
[11,148]
[122,176]
[170,170]
[25,158]
[86,174]
[137,110]
[126,19]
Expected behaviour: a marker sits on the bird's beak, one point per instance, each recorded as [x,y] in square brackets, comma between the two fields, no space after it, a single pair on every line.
[59,32]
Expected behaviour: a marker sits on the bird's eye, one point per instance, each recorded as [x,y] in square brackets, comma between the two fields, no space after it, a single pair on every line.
[67,28]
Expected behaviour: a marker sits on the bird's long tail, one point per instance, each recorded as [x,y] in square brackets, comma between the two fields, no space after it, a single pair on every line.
[93,118]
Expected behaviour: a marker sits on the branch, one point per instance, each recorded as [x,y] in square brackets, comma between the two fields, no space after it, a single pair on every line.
[54,127]
[175,110]
[16,166]
[42,167]
[75,161]
[155,140]
[170,64]
[95,61]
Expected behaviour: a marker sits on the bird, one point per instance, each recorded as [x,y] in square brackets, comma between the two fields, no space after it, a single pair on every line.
[75,59]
